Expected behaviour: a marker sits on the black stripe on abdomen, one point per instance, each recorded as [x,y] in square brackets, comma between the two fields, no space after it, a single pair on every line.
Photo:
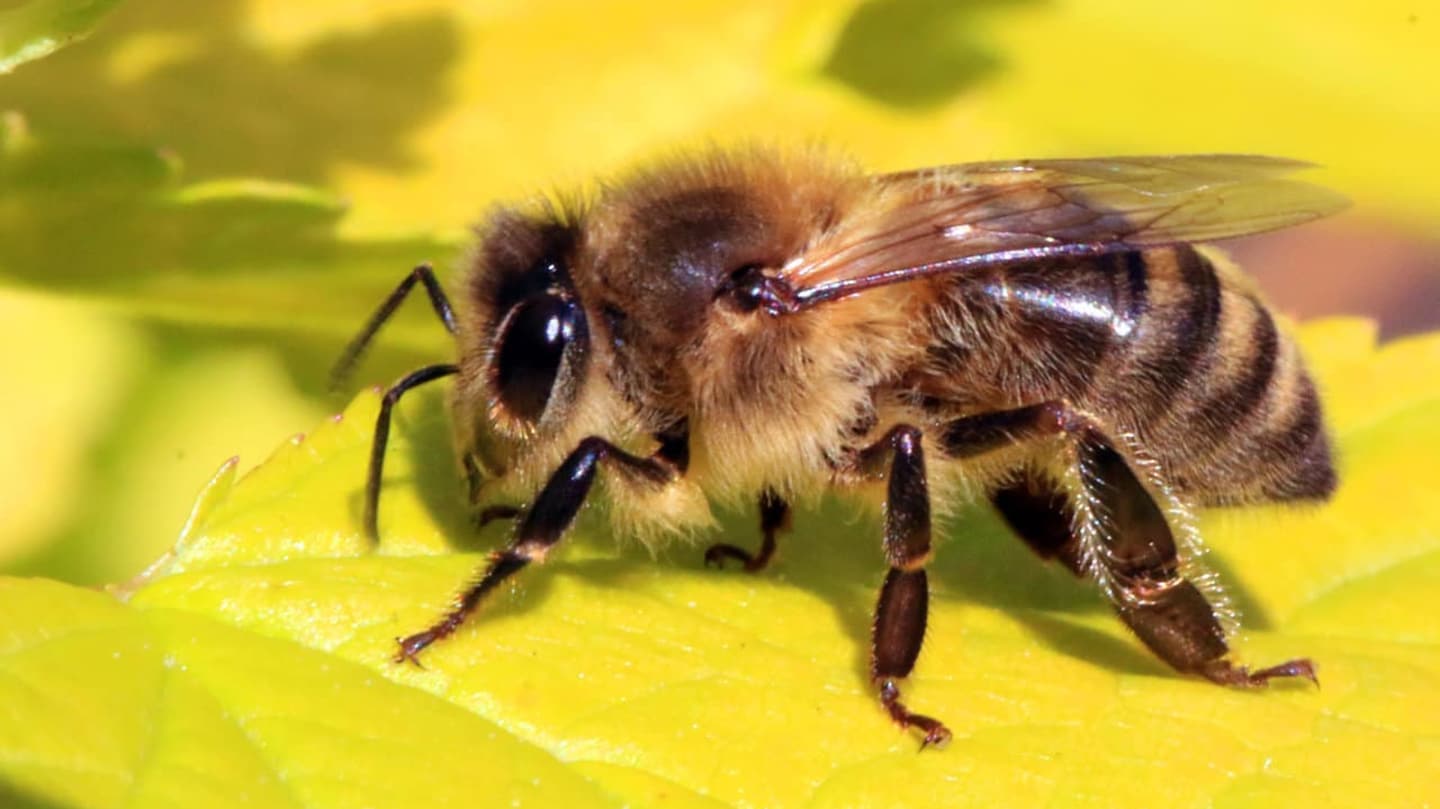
[1234,405]
[1196,332]
[1176,341]
[1300,446]
[1131,266]
[1062,317]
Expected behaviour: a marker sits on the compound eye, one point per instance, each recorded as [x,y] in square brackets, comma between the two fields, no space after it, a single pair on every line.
[532,344]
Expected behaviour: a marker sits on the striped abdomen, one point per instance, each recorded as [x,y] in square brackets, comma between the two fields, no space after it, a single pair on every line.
[1162,344]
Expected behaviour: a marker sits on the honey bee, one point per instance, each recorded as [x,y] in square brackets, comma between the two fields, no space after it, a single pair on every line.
[760,325]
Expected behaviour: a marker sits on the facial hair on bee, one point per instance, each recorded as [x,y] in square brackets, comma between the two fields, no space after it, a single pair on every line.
[757,325]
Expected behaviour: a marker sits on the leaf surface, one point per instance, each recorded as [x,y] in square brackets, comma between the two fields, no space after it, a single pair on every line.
[259,652]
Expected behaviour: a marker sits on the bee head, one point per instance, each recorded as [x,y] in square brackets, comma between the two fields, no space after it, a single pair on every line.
[611,320]
[524,342]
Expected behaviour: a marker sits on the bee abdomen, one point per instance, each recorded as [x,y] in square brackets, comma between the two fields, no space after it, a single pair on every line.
[1172,327]
[1241,382]
[1301,438]
[1253,429]
[1163,344]
[1208,382]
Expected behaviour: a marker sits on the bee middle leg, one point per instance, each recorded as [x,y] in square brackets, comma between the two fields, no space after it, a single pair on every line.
[1039,513]
[545,523]
[1137,552]
[900,613]
[774,518]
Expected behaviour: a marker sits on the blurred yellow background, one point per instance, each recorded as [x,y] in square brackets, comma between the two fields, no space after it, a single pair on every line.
[213,194]
[200,202]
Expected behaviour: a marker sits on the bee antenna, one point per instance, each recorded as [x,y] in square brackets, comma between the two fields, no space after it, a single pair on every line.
[355,349]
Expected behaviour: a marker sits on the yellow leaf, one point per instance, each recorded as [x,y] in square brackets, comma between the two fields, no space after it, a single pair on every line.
[269,633]
[110,706]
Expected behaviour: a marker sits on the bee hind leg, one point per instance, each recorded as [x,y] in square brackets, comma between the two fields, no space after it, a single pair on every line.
[1168,612]
[774,518]
[1134,553]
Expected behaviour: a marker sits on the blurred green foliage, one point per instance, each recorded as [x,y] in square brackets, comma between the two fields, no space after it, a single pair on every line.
[231,185]
[201,201]
[30,29]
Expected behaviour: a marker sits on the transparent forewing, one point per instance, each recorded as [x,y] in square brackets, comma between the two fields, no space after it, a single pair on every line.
[951,218]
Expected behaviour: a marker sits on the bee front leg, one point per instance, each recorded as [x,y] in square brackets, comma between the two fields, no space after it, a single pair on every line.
[374,473]
[900,614]
[423,275]
[474,482]
[546,521]
[774,518]
[490,514]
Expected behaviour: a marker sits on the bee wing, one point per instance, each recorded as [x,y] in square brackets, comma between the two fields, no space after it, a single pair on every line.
[954,218]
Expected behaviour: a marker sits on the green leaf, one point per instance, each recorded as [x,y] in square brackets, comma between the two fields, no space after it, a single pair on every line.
[422,115]
[193,712]
[259,651]
[37,28]
[161,305]
[114,224]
